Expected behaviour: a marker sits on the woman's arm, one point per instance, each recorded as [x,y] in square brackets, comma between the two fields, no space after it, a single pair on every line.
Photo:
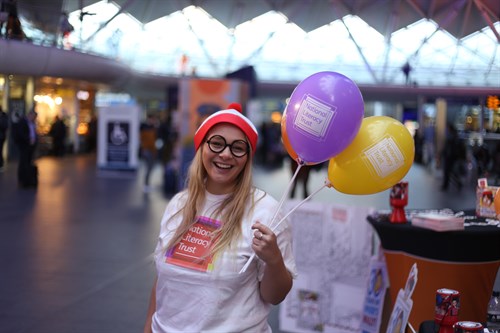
[277,281]
[151,309]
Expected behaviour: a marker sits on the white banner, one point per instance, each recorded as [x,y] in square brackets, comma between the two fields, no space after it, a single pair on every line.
[332,246]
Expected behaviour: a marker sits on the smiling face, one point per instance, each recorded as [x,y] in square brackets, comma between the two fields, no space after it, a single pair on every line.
[223,168]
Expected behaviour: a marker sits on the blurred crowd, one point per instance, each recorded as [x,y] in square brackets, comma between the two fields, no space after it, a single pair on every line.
[463,158]
[10,25]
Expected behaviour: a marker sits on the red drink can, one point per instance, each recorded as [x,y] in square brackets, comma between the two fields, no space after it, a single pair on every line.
[447,306]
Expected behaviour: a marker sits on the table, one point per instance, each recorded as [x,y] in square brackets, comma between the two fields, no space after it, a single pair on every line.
[465,260]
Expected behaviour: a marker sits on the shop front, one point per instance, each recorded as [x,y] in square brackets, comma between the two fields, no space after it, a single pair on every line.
[71,101]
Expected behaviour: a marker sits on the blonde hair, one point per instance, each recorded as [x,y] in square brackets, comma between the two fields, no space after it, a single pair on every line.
[231,210]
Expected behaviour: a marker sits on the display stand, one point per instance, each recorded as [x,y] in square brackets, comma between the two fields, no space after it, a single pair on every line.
[465,260]
[118,137]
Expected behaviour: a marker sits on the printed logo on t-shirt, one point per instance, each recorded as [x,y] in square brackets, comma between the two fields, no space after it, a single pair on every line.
[192,251]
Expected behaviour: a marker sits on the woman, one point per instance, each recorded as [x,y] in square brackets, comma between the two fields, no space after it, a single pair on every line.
[209,231]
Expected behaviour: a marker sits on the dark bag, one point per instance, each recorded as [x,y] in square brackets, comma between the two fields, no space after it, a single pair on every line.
[28,176]
[32,176]
[4,122]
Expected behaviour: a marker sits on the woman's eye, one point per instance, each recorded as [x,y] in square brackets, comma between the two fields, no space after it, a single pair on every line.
[238,149]
[216,144]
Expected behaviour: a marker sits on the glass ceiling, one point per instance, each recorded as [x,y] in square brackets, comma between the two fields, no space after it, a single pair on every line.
[192,40]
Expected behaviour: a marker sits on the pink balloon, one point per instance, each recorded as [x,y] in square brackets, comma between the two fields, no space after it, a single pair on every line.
[323,116]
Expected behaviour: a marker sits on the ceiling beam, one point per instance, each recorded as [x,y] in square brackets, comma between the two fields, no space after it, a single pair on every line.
[432,9]
[417,8]
[466,19]
[297,11]
[237,13]
[482,8]
[103,25]
[391,25]
[211,61]
[360,51]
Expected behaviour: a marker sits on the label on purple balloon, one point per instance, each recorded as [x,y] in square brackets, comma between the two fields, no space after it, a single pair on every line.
[314,117]
[385,157]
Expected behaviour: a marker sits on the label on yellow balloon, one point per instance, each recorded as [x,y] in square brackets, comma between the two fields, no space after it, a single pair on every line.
[314,117]
[385,157]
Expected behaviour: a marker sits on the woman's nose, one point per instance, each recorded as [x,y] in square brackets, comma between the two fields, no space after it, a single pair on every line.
[226,151]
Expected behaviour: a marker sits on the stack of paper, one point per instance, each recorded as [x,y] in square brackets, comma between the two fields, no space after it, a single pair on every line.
[438,222]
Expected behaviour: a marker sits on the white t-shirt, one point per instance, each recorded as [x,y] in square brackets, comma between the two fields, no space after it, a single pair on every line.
[214,297]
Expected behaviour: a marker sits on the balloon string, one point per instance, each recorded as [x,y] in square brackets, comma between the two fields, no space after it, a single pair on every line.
[280,204]
[326,184]
[285,194]
[243,270]
[300,204]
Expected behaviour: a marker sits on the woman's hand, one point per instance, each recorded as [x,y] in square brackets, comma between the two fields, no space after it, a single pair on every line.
[277,281]
[265,245]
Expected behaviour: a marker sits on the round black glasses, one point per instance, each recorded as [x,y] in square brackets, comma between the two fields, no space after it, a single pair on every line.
[238,148]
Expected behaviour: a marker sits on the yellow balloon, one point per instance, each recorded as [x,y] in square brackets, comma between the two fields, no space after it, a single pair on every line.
[380,155]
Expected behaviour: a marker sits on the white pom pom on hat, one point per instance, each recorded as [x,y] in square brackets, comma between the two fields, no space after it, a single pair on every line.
[230,116]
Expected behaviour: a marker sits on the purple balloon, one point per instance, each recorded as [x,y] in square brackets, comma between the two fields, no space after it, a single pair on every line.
[323,116]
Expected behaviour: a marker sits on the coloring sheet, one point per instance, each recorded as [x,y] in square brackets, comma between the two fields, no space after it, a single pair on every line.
[333,245]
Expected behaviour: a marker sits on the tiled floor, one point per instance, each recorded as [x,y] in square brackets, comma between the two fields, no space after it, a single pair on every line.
[75,253]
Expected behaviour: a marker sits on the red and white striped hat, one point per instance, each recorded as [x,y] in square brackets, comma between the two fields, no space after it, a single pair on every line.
[230,116]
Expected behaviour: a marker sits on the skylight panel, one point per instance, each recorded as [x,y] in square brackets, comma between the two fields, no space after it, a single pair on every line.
[432,58]
[280,50]
[442,40]
[167,23]
[370,41]
[350,55]
[316,51]
[202,23]
[328,44]
[483,45]
[423,28]
[487,31]
[330,33]
[212,37]
[99,13]
[251,35]
[362,32]
[126,23]
[285,44]
[169,30]
[467,59]
[124,30]
[410,38]
[269,21]
[397,58]
[477,41]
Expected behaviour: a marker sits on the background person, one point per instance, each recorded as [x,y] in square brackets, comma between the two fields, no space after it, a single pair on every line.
[453,157]
[8,12]
[4,125]
[92,135]
[406,69]
[64,29]
[58,132]
[148,131]
[209,231]
[26,138]
[13,24]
